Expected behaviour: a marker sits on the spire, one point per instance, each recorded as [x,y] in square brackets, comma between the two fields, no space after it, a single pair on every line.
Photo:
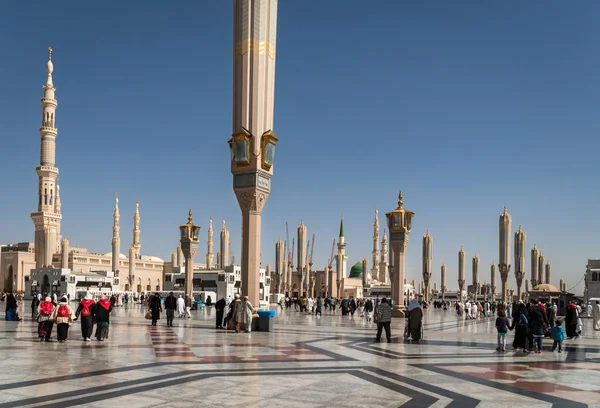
[49,69]
[342,227]
[190,216]
[400,204]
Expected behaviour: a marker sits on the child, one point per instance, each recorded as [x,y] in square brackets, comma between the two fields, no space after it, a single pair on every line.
[502,327]
[558,335]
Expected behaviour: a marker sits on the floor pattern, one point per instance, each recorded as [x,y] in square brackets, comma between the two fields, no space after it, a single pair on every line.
[326,361]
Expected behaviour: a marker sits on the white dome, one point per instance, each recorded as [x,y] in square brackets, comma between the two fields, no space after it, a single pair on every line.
[152,258]
[109,254]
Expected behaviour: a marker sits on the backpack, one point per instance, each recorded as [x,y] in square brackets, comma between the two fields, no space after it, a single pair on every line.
[63,311]
[46,308]
[85,310]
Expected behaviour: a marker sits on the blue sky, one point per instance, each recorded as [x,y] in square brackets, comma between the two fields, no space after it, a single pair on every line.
[466,106]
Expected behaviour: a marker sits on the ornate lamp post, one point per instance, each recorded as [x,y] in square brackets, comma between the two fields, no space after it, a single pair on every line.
[520,244]
[189,246]
[399,224]
[443,282]
[427,264]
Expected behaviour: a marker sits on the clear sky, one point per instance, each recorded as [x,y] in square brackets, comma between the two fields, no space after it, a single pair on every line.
[466,106]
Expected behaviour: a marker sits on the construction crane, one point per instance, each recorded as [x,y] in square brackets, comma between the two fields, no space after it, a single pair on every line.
[292,255]
[307,252]
[331,257]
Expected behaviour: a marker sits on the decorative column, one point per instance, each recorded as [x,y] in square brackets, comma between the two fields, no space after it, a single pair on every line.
[326,280]
[548,272]
[427,264]
[64,259]
[475,272]
[461,274]
[189,246]
[520,245]
[399,224]
[541,264]
[535,257]
[493,281]
[443,282]
[253,141]
[504,224]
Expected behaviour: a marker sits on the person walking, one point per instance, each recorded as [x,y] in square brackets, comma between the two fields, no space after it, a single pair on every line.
[558,335]
[181,307]
[596,315]
[237,312]
[188,306]
[44,323]
[102,311]
[319,309]
[155,308]
[383,318]
[369,310]
[247,310]
[62,315]
[170,306]
[35,302]
[502,329]
[220,308]
[86,311]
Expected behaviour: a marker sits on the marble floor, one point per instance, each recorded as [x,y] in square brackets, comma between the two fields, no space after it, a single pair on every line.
[307,361]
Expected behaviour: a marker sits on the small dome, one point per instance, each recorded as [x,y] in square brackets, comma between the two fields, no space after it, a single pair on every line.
[546,287]
[109,254]
[356,271]
[151,258]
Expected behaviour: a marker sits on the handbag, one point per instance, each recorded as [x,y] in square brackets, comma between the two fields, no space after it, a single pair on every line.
[148,315]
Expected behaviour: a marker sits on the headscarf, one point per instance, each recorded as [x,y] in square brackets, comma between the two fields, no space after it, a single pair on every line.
[48,299]
[413,305]
[237,295]
[39,296]
[64,299]
[88,296]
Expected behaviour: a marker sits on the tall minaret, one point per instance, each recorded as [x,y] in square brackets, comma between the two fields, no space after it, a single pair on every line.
[116,239]
[535,257]
[46,219]
[520,245]
[493,281]
[137,247]
[224,261]
[341,258]
[475,272]
[279,262]
[383,261]
[443,281]
[541,263]
[375,253]
[301,247]
[427,263]
[461,273]
[504,229]
[209,246]
[548,273]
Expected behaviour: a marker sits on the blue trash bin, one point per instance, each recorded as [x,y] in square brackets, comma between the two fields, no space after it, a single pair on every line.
[265,320]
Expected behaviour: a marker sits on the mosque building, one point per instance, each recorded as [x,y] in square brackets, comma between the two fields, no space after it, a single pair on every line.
[58,263]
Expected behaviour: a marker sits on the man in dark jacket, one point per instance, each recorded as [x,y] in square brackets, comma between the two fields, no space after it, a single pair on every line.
[220,308]
[170,306]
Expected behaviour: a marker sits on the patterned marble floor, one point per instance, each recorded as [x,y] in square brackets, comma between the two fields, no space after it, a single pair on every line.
[308,361]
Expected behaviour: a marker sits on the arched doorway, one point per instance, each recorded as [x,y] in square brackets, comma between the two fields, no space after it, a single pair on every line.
[45,286]
[9,281]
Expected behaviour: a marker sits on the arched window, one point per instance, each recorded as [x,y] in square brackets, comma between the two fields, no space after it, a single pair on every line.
[595,276]
[45,196]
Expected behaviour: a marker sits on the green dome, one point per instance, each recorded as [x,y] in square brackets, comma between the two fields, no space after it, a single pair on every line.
[356,270]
